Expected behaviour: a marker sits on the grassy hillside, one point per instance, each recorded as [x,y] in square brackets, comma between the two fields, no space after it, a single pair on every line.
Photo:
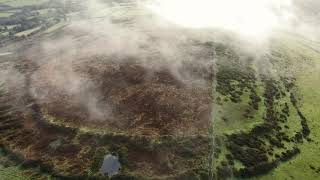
[266,123]
[306,59]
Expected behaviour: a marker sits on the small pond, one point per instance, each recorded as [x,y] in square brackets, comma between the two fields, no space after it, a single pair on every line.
[110,166]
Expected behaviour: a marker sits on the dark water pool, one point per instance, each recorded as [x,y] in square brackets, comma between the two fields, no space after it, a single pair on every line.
[110,166]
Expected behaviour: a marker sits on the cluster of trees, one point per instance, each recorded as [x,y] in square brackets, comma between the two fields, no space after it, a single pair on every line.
[288,82]
[231,82]
[255,99]
[261,168]
[287,155]
[256,149]
[251,148]
[304,124]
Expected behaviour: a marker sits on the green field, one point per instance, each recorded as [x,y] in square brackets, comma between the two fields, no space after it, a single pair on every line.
[292,57]
[305,165]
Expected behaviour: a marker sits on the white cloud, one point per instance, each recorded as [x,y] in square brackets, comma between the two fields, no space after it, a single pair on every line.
[253,18]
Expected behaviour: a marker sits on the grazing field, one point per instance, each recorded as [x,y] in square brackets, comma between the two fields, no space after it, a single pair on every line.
[244,114]
[306,165]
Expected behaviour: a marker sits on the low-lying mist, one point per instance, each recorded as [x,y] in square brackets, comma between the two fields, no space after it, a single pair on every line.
[157,36]
[253,20]
[110,57]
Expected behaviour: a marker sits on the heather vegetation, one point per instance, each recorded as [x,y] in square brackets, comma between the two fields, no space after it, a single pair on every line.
[167,107]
